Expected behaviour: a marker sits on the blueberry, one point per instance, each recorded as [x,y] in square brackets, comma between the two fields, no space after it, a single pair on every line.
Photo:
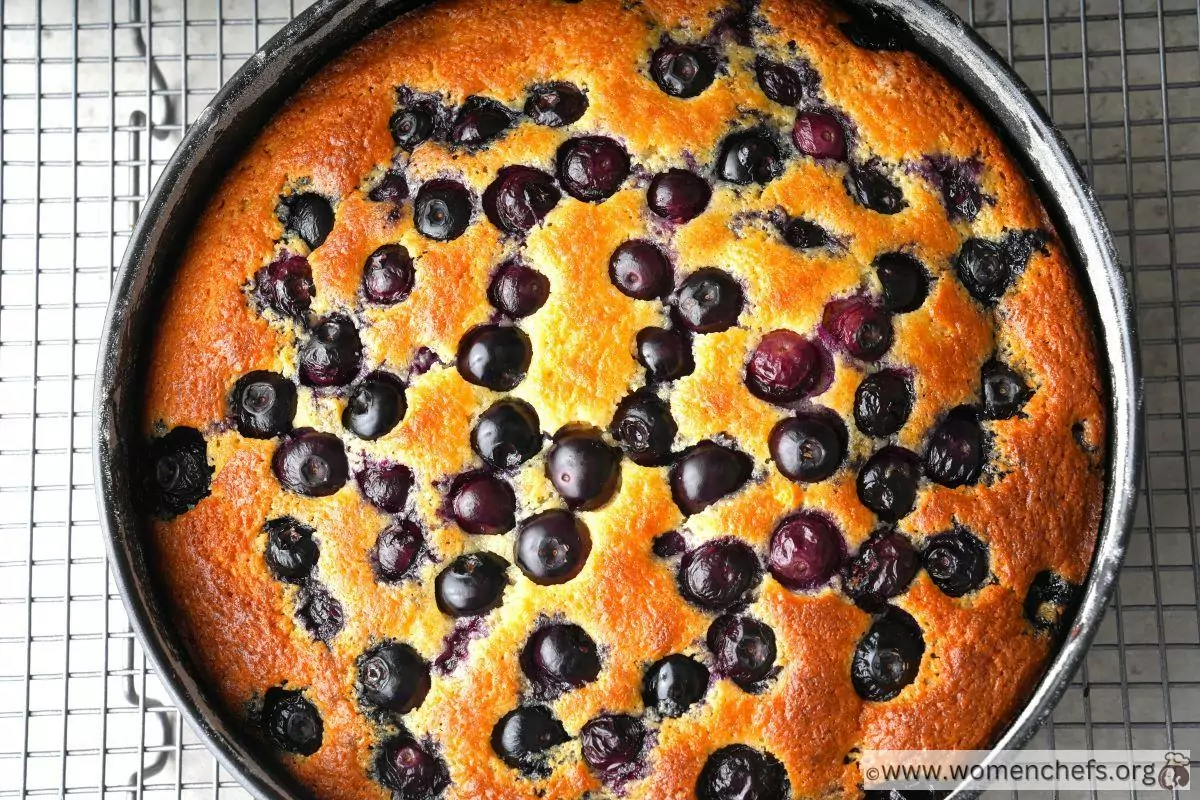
[286,286]
[519,198]
[482,503]
[479,121]
[719,573]
[784,367]
[393,677]
[523,735]
[887,483]
[808,447]
[863,329]
[397,551]
[583,468]
[560,657]
[743,649]
[875,28]
[612,744]
[1004,391]
[375,407]
[683,70]
[410,770]
[806,550]
[805,235]
[983,269]
[905,282]
[739,772]
[413,124]
[958,181]
[392,187]
[494,356]
[591,168]
[957,562]
[552,547]
[472,584]
[442,209]
[674,684]
[706,473]
[882,403]
[308,216]
[779,82]
[291,553]
[1050,603]
[311,463]
[639,269]
[955,453]
[645,430]
[888,657]
[709,300]
[291,722]
[884,567]
[331,354]
[678,195]
[507,434]
[179,475]
[555,104]
[669,544]
[388,275]
[518,290]
[819,134]
[319,612]
[386,486]
[749,157]
[870,187]
[665,354]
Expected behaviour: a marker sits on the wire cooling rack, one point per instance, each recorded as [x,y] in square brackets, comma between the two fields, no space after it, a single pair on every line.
[94,96]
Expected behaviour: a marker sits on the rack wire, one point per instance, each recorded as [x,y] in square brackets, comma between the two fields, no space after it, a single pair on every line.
[94,96]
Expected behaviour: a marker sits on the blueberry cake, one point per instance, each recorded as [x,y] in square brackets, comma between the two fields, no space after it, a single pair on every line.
[653,399]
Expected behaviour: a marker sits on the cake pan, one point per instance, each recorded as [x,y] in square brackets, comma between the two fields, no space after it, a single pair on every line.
[250,98]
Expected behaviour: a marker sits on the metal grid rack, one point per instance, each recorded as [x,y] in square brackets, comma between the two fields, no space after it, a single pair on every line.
[94,95]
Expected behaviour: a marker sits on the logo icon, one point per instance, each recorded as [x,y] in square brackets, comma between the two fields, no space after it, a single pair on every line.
[1176,772]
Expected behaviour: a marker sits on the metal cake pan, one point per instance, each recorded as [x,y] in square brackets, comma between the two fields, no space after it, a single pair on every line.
[243,106]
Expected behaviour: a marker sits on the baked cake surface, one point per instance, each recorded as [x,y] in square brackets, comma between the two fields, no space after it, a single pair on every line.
[650,399]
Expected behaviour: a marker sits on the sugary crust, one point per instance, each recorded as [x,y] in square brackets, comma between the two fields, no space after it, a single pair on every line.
[1039,512]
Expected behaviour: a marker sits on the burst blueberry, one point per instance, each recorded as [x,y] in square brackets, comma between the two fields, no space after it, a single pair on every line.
[286,286]
[331,354]
[307,216]
[385,485]
[683,70]
[311,463]
[957,562]
[291,722]
[388,275]
[904,281]
[743,650]
[876,28]
[560,657]
[292,552]
[392,187]
[719,573]
[888,657]
[882,403]
[1050,603]
[645,430]
[804,234]
[887,483]
[883,568]
[555,104]
[319,612]
[779,82]
[870,187]
[479,121]
[179,476]
[397,551]
[519,198]
[955,453]
[709,301]
[591,168]
[507,434]
[749,157]
[742,772]
[674,684]
[410,770]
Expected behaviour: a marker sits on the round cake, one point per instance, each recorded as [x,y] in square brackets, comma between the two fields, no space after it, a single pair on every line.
[655,399]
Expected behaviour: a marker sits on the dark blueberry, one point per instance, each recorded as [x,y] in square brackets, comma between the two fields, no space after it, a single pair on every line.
[518,290]
[410,770]
[954,456]
[292,552]
[519,198]
[482,503]
[291,722]
[669,544]
[808,447]
[472,584]
[819,134]
[874,28]
[882,403]
[1050,603]
[805,235]
[1004,391]
[905,282]
[442,209]
[984,270]
[592,168]
[640,270]
[749,157]
[739,772]
[507,434]
[888,657]
[388,275]
[683,70]
[779,82]
[394,677]
[863,329]
[412,125]
[320,612]
[743,649]
[645,430]
[887,483]
[311,463]
[612,744]
[957,562]
[179,474]
[386,486]
[958,181]
[555,104]
[494,356]
[523,735]
[375,406]
[552,547]
[784,367]
[674,684]
[806,551]
[397,550]
[719,573]
[678,195]
[331,354]
[706,473]
[560,656]
[709,301]
[479,121]
[308,216]
[884,566]
[583,468]
[286,285]
[665,354]
[868,186]
[392,187]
